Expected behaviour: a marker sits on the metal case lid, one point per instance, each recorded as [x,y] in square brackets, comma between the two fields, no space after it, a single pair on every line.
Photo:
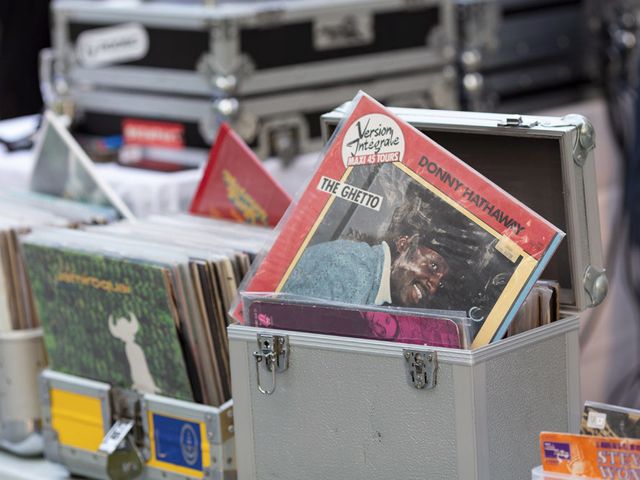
[547,163]
[259,14]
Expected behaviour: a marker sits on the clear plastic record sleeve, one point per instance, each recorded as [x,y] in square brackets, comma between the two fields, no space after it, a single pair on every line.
[391,218]
[605,420]
[434,328]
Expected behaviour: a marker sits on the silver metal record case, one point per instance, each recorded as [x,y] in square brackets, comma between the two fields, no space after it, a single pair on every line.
[345,408]
[359,409]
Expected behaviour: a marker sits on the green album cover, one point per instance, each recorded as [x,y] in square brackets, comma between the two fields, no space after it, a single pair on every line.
[110,319]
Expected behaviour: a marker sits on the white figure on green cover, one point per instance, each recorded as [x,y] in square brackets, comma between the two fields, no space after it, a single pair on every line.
[126,330]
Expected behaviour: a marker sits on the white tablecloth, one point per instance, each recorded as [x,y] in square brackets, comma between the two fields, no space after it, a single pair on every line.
[144,191]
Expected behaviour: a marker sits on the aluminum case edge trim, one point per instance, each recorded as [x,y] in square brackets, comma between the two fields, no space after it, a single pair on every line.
[377,347]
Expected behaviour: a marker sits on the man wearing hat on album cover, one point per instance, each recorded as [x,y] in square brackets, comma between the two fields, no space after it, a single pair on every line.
[407,266]
[406,272]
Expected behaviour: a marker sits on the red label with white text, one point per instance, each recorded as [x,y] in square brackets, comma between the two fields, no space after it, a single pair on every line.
[152,133]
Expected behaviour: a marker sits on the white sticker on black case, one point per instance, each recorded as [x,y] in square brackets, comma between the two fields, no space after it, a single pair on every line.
[110,45]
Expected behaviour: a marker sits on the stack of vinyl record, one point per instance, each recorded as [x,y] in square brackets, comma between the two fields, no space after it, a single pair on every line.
[142,305]
[21,211]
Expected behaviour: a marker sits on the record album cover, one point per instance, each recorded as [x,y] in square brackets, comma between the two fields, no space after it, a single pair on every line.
[108,319]
[342,320]
[63,169]
[610,421]
[590,457]
[392,218]
[236,186]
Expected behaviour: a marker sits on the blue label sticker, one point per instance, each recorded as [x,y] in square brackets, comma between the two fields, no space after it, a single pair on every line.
[177,442]
[557,450]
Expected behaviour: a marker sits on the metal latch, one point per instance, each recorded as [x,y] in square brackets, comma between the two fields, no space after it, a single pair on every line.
[121,445]
[422,368]
[517,121]
[273,353]
[124,460]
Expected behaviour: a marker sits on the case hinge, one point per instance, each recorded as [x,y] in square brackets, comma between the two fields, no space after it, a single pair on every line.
[596,285]
[273,353]
[585,137]
[422,368]
[517,121]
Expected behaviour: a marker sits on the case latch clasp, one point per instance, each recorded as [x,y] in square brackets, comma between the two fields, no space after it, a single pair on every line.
[124,460]
[517,121]
[422,368]
[273,353]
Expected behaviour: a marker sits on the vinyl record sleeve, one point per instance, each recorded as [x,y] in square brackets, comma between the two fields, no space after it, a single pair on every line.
[605,420]
[108,318]
[209,285]
[236,186]
[591,457]
[344,320]
[392,218]
[63,169]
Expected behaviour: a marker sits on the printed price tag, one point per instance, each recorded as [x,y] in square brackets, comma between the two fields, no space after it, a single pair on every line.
[115,436]
[508,249]
[596,420]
